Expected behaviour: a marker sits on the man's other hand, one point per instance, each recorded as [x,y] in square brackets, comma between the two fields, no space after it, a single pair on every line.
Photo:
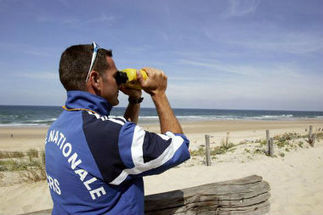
[155,84]
[134,93]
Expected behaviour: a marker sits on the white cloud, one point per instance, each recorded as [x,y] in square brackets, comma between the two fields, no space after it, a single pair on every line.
[238,70]
[275,86]
[260,93]
[240,8]
[68,21]
[288,42]
[103,18]
[28,49]
[65,3]
[214,65]
[39,75]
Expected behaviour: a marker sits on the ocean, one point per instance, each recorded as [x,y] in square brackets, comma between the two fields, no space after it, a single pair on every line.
[45,115]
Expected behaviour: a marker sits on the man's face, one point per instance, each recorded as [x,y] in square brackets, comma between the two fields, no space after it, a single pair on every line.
[109,86]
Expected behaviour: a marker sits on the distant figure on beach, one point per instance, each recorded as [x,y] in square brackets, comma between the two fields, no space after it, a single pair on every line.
[95,163]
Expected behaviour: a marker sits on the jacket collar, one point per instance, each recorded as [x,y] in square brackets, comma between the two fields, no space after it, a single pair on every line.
[86,100]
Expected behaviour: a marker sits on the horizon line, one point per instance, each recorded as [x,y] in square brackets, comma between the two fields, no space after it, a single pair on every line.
[243,109]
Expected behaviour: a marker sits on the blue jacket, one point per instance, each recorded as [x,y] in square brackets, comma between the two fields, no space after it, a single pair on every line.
[95,163]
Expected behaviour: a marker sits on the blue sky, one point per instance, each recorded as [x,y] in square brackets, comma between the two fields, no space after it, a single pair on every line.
[233,54]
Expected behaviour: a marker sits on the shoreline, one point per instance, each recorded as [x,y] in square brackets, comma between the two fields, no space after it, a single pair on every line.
[188,122]
[239,125]
[184,120]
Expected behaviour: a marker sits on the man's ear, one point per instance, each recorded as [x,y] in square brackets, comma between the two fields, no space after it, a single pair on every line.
[95,80]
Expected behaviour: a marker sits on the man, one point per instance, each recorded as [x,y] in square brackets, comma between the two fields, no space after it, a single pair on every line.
[95,163]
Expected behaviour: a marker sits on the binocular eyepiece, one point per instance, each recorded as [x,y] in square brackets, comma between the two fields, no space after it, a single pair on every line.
[121,77]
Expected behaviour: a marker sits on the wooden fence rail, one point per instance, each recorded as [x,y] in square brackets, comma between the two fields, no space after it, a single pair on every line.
[245,196]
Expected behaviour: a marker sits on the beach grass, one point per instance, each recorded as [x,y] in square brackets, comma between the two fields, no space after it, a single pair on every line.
[250,149]
[217,150]
[224,148]
[30,165]
[32,153]
[14,154]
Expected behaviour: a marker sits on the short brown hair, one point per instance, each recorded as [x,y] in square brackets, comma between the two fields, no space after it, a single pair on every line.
[75,64]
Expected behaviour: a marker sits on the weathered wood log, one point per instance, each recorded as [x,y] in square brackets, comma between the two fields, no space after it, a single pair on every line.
[249,195]
[245,196]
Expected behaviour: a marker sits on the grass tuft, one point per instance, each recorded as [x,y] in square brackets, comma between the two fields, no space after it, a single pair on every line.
[32,169]
[224,148]
[319,136]
[263,143]
[38,173]
[199,152]
[286,137]
[14,154]
[282,154]
[13,165]
[32,153]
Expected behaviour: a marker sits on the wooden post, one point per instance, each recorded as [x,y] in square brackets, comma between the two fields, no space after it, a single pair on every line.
[42,158]
[207,150]
[268,141]
[270,144]
[311,136]
[271,147]
[227,139]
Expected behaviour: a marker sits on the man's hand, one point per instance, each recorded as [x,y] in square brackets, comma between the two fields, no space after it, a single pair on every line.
[134,93]
[155,84]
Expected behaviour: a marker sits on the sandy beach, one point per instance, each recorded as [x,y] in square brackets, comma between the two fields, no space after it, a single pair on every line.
[294,173]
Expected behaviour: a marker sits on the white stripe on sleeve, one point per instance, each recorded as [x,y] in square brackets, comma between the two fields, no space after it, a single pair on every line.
[141,167]
[116,121]
[136,146]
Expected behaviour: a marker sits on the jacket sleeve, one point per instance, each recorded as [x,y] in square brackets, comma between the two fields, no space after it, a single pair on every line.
[146,153]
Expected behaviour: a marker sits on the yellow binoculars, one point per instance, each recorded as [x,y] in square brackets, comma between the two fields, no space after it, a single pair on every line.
[128,77]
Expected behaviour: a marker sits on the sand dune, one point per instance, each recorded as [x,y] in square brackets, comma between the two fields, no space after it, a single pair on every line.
[296,179]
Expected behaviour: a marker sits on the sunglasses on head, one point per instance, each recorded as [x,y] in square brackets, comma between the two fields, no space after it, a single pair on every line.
[121,77]
[94,54]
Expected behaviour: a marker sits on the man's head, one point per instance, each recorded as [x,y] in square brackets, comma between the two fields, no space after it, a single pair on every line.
[74,67]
